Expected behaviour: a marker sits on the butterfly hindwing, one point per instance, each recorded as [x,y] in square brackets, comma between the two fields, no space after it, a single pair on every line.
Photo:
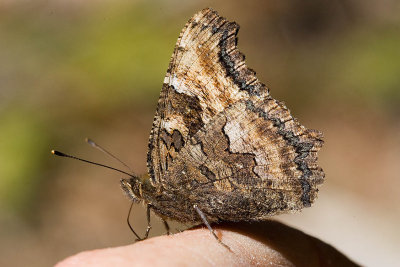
[250,151]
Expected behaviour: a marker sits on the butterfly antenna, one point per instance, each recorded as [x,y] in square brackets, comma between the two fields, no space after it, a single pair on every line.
[95,145]
[60,154]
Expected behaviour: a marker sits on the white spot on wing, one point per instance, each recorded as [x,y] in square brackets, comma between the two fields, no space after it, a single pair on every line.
[173,123]
[179,85]
[183,44]
[166,79]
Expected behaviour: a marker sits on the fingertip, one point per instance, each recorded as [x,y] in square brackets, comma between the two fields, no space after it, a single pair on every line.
[265,244]
[193,247]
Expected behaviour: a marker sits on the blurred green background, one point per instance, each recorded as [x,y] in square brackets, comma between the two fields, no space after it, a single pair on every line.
[72,69]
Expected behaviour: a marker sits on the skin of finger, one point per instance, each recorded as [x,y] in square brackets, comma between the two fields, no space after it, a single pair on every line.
[195,248]
[265,244]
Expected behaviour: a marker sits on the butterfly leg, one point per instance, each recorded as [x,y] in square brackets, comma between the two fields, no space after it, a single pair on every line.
[165,225]
[204,219]
[129,223]
[148,223]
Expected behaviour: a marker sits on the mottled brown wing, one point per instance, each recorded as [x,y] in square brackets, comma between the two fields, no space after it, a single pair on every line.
[253,160]
[206,74]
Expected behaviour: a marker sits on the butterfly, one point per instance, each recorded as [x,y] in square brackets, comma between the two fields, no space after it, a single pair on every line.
[221,148]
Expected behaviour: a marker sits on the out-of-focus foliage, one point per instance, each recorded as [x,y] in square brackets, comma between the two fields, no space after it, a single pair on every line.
[371,69]
[63,63]
[22,151]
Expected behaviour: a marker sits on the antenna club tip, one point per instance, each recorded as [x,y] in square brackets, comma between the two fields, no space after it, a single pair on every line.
[57,153]
[90,141]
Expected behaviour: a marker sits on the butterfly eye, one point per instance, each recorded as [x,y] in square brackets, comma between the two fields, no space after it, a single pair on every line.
[126,184]
[130,191]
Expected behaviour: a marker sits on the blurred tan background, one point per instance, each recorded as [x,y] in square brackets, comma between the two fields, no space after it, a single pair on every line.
[72,69]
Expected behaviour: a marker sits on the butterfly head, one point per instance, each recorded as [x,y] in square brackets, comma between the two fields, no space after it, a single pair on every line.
[137,188]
